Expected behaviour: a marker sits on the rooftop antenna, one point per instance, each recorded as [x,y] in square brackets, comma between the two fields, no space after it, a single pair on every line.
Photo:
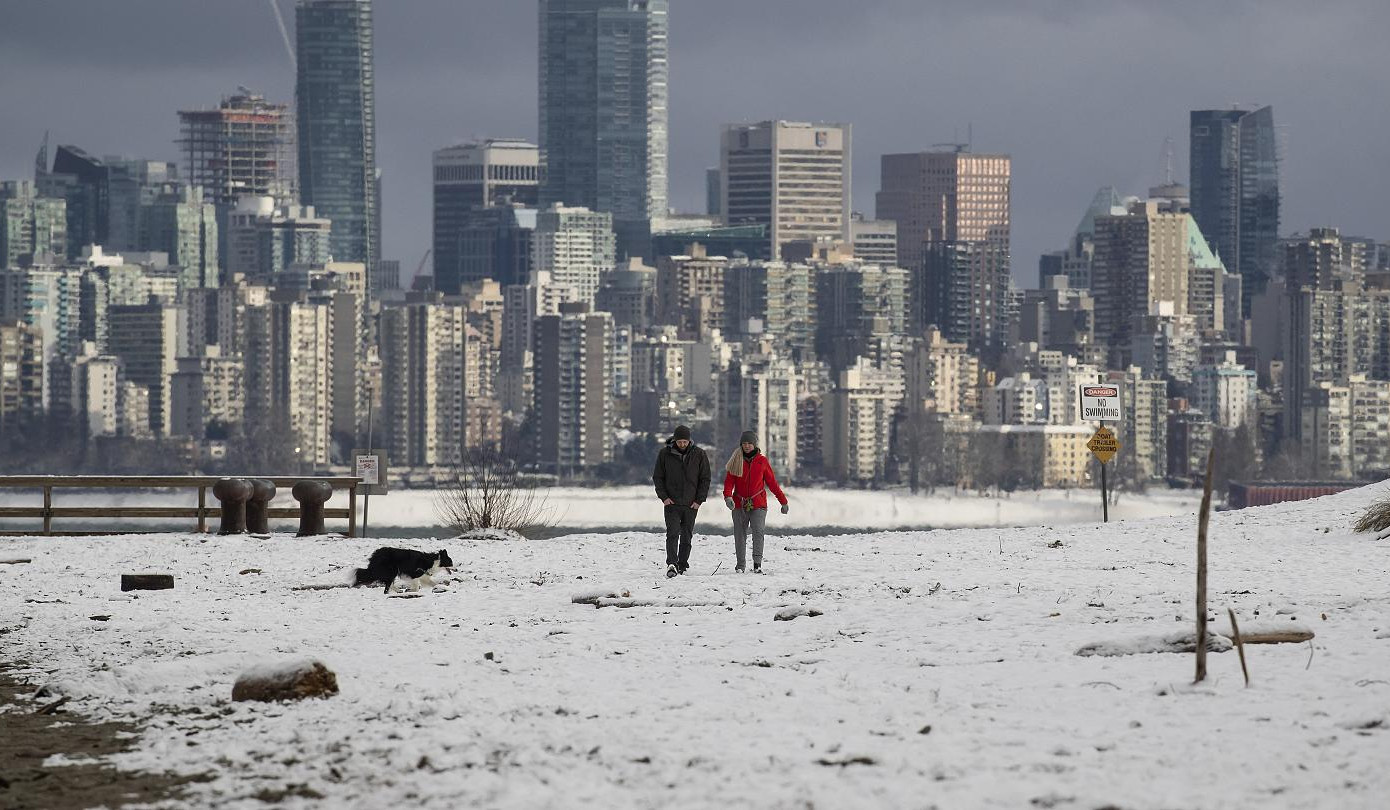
[284,32]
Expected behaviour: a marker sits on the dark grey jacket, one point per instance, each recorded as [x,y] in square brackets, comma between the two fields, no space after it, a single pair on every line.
[682,477]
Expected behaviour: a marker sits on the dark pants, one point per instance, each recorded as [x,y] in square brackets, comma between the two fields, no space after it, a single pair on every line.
[680,525]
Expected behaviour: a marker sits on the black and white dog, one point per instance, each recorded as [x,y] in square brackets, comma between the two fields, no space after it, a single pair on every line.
[387,564]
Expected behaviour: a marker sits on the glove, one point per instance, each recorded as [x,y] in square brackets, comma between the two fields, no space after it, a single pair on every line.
[729,502]
[784,508]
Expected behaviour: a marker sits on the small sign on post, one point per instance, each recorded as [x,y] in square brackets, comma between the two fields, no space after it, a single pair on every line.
[1104,445]
[370,467]
[1100,403]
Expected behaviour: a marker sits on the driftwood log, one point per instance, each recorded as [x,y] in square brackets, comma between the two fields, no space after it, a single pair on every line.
[146,582]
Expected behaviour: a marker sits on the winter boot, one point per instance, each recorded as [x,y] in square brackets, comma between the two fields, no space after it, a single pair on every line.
[757,568]
[671,571]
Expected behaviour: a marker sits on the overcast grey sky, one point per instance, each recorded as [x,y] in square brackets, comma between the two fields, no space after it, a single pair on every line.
[1081,93]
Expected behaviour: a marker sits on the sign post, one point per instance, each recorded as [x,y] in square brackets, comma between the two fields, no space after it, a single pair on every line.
[1102,403]
[370,466]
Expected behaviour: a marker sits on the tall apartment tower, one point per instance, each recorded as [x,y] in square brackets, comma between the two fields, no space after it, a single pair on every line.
[30,223]
[145,338]
[337,124]
[573,391]
[576,247]
[952,210]
[424,369]
[469,177]
[241,148]
[603,111]
[21,376]
[1235,191]
[790,176]
[1141,260]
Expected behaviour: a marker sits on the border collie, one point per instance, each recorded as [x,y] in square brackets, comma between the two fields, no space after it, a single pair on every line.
[387,564]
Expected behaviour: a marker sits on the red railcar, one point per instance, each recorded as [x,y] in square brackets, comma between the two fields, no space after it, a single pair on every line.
[1264,493]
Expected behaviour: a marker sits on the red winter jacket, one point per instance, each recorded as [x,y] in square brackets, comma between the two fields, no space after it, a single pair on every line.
[756,479]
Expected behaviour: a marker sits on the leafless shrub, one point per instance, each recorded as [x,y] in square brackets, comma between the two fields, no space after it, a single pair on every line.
[1376,518]
[489,491]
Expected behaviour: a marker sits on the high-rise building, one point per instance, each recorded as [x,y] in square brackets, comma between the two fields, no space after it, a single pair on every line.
[145,338]
[573,393]
[49,300]
[1225,392]
[1141,259]
[290,380]
[83,181]
[874,240]
[424,370]
[603,111]
[207,391]
[773,299]
[21,376]
[576,246]
[955,196]
[485,243]
[1075,261]
[855,304]
[264,239]
[941,376]
[180,223]
[714,192]
[791,177]
[952,211]
[241,148]
[472,176]
[690,292]
[1319,259]
[336,120]
[30,224]
[132,186]
[857,422]
[770,387]
[1235,191]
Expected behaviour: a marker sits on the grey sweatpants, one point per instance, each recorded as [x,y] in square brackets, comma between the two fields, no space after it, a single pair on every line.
[742,519]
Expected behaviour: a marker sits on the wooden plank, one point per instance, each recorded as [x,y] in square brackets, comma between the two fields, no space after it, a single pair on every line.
[202,510]
[146,582]
[153,481]
[352,510]
[47,509]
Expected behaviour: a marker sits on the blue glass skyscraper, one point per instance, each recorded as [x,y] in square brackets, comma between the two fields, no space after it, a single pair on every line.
[337,124]
[603,111]
[1235,191]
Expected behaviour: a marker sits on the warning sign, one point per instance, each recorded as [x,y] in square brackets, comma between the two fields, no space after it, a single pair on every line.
[370,466]
[1100,403]
[1104,445]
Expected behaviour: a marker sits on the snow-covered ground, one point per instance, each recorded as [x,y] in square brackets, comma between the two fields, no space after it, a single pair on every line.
[941,672]
[636,507]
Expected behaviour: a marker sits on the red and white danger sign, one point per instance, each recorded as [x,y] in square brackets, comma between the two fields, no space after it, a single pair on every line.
[1100,403]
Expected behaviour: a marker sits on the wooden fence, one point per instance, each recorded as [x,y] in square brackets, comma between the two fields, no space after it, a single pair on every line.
[202,512]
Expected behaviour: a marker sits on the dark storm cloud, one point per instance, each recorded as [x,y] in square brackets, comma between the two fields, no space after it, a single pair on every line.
[1080,92]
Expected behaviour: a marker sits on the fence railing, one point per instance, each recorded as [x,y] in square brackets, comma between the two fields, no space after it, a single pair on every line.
[202,512]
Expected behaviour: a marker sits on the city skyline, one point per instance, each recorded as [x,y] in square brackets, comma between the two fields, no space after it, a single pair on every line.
[1092,108]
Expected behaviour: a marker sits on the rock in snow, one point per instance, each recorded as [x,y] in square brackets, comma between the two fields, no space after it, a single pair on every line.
[286,681]
[786,614]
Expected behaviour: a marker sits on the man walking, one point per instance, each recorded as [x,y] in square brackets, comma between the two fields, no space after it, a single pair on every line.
[682,483]
[747,476]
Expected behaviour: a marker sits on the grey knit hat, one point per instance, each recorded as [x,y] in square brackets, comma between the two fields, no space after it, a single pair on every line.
[749,437]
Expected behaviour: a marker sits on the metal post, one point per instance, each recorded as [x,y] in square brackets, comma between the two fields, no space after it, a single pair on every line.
[367,496]
[202,509]
[1104,490]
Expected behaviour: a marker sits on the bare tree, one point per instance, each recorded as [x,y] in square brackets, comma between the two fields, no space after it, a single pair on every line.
[489,491]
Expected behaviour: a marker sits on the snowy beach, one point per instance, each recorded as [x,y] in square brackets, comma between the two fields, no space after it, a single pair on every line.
[941,671]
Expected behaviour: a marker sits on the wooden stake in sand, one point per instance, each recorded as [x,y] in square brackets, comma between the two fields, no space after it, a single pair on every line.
[1202,518]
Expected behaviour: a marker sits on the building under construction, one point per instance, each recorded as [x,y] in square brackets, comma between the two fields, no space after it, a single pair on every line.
[245,146]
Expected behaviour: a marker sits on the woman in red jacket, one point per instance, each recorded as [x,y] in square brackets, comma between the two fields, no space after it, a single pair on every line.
[747,475]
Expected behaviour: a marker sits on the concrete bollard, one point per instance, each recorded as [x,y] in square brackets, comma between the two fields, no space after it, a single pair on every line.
[312,495]
[233,494]
[258,508]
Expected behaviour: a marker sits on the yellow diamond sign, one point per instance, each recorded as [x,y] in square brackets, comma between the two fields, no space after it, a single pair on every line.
[1104,445]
